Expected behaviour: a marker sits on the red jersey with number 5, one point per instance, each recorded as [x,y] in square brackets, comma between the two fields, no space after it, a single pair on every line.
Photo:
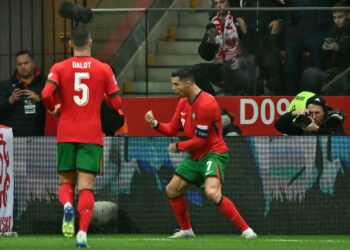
[82,83]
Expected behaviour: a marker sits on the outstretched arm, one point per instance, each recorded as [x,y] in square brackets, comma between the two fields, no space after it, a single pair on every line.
[171,128]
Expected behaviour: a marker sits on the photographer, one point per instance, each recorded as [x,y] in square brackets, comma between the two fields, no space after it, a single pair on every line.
[229,128]
[317,118]
[21,107]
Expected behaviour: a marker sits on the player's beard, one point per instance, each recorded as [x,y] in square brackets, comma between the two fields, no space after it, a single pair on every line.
[179,94]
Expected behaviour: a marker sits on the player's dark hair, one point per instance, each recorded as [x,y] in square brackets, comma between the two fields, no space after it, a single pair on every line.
[80,36]
[184,73]
[24,52]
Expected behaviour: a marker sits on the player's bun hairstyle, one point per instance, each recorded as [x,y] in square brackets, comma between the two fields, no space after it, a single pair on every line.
[184,73]
[76,13]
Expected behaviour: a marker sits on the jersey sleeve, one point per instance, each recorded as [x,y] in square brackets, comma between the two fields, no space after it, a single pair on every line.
[53,76]
[113,102]
[173,127]
[204,123]
[112,87]
[50,87]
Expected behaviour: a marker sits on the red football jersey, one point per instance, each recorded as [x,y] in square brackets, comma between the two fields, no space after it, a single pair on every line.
[82,83]
[201,122]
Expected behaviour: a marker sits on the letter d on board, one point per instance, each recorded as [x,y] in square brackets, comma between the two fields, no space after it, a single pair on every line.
[243,110]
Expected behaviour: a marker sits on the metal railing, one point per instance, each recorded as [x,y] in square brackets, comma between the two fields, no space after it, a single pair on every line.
[49,47]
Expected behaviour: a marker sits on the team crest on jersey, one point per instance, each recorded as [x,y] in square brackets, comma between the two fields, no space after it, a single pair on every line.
[194,116]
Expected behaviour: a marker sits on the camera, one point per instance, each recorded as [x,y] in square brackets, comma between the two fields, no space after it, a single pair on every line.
[302,121]
[76,13]
[334,120]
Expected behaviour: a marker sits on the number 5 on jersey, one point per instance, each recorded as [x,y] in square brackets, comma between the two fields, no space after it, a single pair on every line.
[79,85]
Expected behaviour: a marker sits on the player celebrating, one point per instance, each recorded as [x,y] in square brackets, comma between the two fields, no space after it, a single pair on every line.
[82,83]
[198,115]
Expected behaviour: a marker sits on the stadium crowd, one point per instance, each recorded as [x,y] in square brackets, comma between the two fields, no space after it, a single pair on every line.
[248,53]
[275,52]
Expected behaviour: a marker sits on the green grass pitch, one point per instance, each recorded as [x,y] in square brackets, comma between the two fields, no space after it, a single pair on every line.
[160,242]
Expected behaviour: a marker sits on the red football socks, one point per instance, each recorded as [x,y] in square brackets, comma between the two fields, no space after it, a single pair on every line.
[179,206]
[85,208]
[230,211]
[66,193]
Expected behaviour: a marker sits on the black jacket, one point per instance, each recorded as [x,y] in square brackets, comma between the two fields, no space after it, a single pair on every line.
[257,20]
[285,125]
[207,50]
[342,38]
[312,21]
[24,118]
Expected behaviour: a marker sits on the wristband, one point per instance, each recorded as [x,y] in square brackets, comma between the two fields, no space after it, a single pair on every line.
[154,124]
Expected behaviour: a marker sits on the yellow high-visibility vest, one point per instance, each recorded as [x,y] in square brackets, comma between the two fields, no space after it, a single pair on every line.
[299,101]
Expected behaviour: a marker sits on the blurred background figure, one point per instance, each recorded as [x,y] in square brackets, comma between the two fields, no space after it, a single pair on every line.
[228,124]
[229,70]
[21,107]
[305,31]
[336,51]
[261,39]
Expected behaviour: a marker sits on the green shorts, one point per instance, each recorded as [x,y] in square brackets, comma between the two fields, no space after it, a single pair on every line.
[83,156]
[195,171]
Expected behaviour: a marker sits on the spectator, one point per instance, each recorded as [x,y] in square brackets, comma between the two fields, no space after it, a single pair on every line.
[316,118]
[305,30]
[20,104]
[229,71]
[344,2]
[229,128]
[260,36]
[337,44]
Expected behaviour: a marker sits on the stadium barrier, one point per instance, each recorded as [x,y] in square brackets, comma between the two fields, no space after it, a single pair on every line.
[255,115]
[281,185]
[6,179]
